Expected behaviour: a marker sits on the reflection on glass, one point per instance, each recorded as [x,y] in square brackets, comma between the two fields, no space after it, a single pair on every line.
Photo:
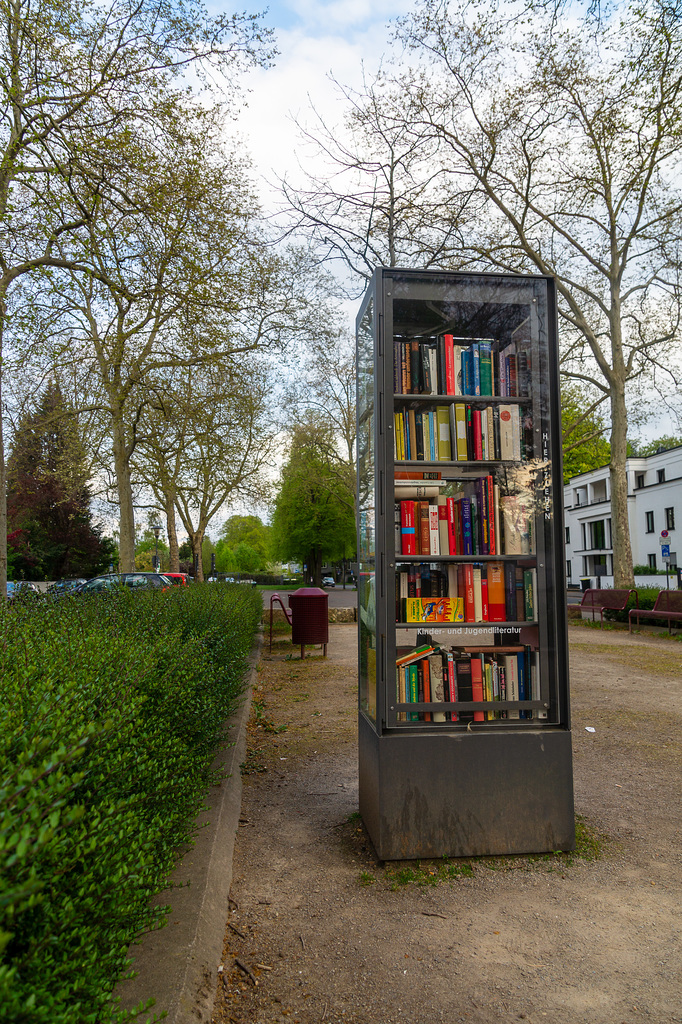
[368,645]
[366,512]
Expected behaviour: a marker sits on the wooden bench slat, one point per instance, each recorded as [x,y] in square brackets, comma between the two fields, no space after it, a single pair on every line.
[668,605]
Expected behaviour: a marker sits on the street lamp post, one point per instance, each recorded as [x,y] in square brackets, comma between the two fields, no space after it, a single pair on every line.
[157,531]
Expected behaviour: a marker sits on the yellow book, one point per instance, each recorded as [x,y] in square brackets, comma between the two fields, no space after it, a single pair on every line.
[434,609]
[443,427]
[461,424]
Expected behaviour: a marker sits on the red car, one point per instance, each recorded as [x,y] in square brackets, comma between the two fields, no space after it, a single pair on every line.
[178,579]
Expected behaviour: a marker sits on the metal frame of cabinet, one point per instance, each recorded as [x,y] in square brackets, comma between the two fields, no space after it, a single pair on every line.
[431,786]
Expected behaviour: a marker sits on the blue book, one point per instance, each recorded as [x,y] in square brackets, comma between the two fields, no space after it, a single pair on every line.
[467,372]
[467,537]
[476,368]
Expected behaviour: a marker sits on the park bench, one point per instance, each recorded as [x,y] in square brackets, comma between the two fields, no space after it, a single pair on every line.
[668,605]
[602,600]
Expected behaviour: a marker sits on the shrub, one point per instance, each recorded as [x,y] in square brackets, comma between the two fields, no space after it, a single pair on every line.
[112,711]
[646,598]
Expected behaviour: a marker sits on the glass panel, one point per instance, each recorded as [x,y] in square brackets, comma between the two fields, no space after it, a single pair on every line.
[474,502]
[366,513]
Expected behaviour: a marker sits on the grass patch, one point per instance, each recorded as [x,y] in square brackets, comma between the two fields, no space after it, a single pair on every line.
[590,846]
[252,765]
[430,873]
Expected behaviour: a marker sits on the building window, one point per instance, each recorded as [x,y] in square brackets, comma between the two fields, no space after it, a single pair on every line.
[598,535]
[568,534]
[568,568]
[652,561]
[649,522]
[583,535]
[670,519]
[661,476]
[639,480]
[600,568]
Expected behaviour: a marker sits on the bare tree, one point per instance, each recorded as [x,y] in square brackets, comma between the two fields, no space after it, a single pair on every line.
[377,199]
[182,281]
[564,135]
[206,442]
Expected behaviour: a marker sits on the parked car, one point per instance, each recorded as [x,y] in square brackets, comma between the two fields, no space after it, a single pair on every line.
[61,587]
[178,579]
[132,580]
[22,590]
[249,583]
[328,581]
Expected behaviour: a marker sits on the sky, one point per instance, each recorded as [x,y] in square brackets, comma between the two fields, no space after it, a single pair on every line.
[315,39]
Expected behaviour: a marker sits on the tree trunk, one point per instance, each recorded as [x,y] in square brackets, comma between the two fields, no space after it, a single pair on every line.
[126,548]
[623,576]
[173,548]
[196,540]
[314,571]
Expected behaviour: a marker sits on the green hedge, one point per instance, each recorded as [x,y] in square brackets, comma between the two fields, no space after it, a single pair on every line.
[112,711]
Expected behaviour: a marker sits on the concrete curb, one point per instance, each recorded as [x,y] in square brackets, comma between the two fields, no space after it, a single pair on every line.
[177,965]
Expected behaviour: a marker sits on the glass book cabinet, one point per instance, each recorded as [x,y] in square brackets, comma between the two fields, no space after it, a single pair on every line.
[464,731]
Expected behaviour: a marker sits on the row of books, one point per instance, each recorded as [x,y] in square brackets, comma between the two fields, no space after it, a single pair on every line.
[463,433]
[447,365]
[477,520]
[431,675]
[466,592]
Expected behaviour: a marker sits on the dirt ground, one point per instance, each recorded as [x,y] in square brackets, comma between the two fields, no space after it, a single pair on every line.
[320,932]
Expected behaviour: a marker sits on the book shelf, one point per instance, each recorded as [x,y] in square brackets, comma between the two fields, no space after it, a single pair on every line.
[464,730]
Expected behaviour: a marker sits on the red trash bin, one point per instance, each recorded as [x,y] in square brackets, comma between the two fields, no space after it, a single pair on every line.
[310,617]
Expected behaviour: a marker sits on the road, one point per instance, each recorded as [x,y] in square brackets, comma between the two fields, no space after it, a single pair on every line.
[340,598]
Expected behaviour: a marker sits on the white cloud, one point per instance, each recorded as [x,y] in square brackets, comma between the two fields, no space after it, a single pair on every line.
[333,39]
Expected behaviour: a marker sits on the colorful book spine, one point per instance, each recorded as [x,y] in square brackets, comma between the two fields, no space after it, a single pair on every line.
[408,532]
[477,685]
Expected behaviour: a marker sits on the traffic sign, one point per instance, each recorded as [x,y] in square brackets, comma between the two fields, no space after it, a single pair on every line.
[663,539]
[665,551]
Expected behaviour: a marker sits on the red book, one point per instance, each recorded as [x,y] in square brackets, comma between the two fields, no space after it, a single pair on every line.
[449,365]
[408,534]
[469,604]
[477,686]
[484,599]
[496,594]
[424,536]
[478,441]
[452,527]
[452,682]
[427,686]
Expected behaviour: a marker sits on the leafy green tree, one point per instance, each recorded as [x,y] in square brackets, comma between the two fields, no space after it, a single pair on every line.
[582,432]
[658,444]
[224,557]
[314,512]
[147,547]
[51,531]
[249,530]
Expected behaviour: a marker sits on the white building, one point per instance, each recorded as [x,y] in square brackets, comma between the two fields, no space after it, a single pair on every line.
[654,505]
